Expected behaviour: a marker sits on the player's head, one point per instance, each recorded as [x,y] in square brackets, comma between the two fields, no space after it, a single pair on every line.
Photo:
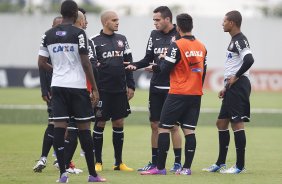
[232,19]
[69,9]
[184,23]
[162,17]
[85,19]
[80,20]
[110,21]
[57,20]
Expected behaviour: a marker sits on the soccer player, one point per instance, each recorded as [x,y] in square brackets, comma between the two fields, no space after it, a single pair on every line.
[45,81]
[157,46]
[185,63]
[72,130]
[66,46]
[235,108]
[116,87]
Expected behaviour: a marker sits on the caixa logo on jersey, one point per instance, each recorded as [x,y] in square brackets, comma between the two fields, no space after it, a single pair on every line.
[110,54]
[63,48]
[160,50]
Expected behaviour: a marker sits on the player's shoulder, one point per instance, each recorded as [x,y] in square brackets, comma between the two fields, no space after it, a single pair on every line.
[120,36]
[94,36]
[239,37]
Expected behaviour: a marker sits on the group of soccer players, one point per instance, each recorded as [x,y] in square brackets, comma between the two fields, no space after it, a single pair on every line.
[178,62]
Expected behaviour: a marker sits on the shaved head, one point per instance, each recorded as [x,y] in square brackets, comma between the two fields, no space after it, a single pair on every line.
[107,16]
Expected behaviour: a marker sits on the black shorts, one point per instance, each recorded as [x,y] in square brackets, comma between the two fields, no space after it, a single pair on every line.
[184,109]
[236,102]
[71,102]
[112,106]
[156,102]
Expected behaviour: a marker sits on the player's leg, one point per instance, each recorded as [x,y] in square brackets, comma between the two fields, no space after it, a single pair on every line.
[188,121]
[155,106]
[98,139]
[83,115]
[101,116]
[47,142]
[239,103]
[222,124]
[177,144]
[120,109]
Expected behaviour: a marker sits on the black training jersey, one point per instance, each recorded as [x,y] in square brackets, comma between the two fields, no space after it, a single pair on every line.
[112,51]
[238,48]
[158,43]
[64,44]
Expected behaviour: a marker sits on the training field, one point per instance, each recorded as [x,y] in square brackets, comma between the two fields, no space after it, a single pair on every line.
[22,129]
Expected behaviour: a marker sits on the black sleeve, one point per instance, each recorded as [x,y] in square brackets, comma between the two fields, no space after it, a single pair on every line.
[93,58]
[149,56]
[172,57]
[43,82]
[129,74]
[248,62]
[82,43]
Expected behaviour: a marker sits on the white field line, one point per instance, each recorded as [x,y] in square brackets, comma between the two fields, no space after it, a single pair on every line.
[144,109]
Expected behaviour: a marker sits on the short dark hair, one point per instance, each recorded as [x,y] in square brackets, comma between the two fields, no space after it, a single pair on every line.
[69,9]
[82,10]
[185,22]
[234,16]
[165,12]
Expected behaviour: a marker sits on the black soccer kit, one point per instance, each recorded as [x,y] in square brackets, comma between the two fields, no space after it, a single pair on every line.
[158,44]
[236,103]
[64,44]
[113,79]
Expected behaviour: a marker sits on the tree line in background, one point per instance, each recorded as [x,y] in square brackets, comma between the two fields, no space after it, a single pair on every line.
[52,6]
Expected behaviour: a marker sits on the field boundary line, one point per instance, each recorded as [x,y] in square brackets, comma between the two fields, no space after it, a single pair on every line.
[141,109]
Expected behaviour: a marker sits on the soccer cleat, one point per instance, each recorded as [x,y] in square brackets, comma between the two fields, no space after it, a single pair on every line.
[175,167]
[154,171]
[215,168]
[147,167]
[98,167]
[233,170]
[184,171]
[64,178]
[40,165]
[122,167]
[96,179]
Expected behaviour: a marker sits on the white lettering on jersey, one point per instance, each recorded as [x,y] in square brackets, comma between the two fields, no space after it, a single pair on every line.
[194,53]
[81,41]
[150,44]
[160,50]
[42,40]
[173,53]
[110,54]
[90,53]
[238,46]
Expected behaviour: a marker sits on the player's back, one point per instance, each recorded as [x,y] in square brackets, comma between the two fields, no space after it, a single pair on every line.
[65,43]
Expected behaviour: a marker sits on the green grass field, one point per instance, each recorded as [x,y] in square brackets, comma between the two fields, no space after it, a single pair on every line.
[21,133]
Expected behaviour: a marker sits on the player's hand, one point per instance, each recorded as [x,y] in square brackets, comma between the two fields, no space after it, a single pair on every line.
[47,98]
[161,56]
[231,81]
[130,93]
[94,96]
[131,67]
[150,68]
[221,93]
